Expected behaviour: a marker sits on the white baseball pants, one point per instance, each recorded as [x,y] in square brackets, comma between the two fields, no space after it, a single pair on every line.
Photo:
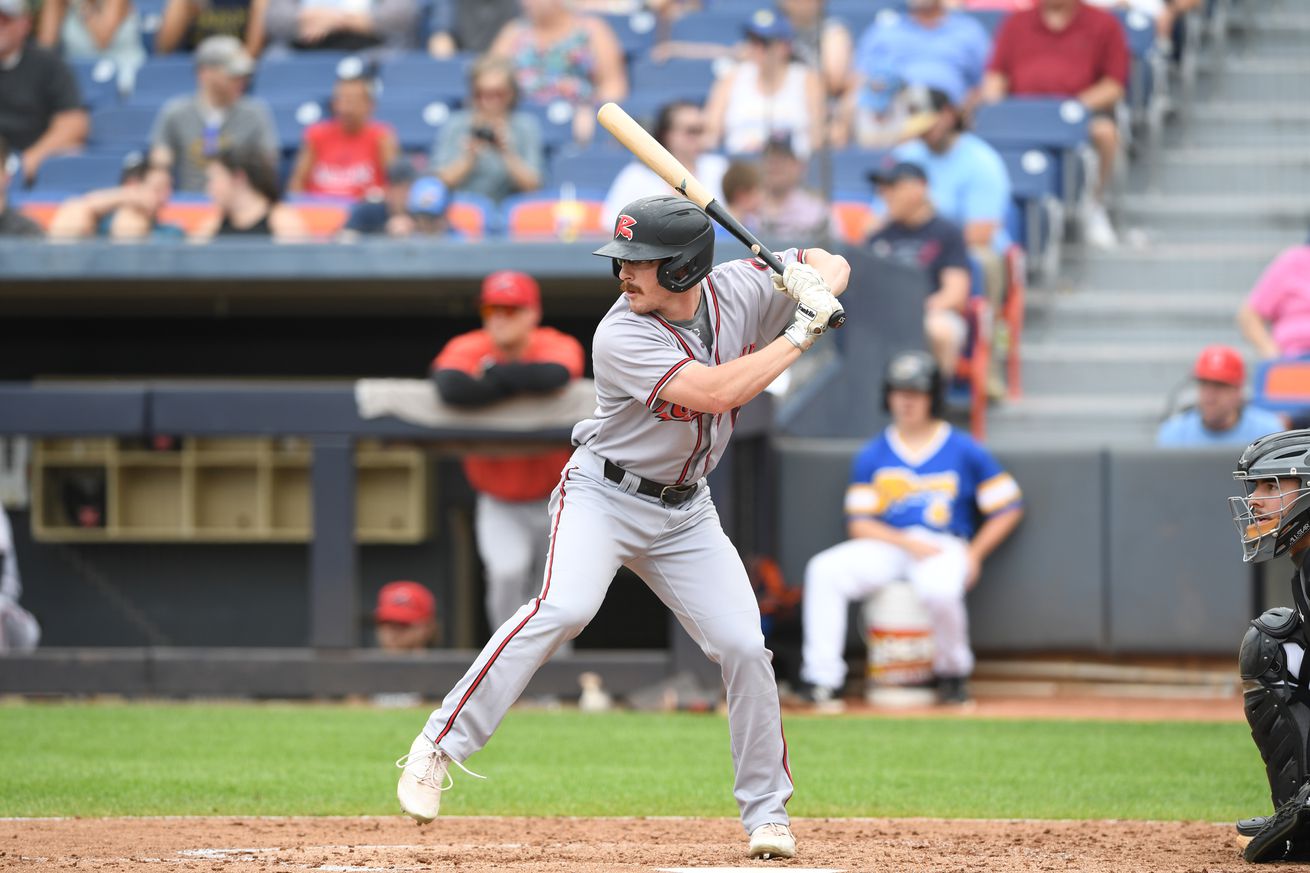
[512,540]
[855,569]
[685,557]
[19,631]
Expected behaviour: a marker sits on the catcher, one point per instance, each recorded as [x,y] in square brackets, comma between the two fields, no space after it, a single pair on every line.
[1273,518]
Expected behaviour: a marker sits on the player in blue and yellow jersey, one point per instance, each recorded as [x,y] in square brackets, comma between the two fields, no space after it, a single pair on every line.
[917,492]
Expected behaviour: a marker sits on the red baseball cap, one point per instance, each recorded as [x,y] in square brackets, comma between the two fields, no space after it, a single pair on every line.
[405,603]
[1220,364]
[510,288]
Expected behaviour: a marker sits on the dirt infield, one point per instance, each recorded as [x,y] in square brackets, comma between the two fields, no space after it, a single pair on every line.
[473,845]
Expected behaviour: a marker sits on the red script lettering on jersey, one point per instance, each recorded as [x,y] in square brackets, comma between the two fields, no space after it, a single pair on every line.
[666,411]
[623,227]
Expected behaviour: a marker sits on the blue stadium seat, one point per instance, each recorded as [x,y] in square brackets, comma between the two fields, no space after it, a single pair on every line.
[589,169]
[644,106]
[857,15]
[98,82]
[416,121]
[1034,221]
[125,126]
[77,174]
[635,32]
[419,76]
[292,117]
[163,77]
[712,26]
[556,119]
[850,172]
[152,16]
[304,76]
[990,19]
[1054,125]
[680,78]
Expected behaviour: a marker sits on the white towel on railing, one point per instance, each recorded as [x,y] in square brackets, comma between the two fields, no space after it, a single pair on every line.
[416,401]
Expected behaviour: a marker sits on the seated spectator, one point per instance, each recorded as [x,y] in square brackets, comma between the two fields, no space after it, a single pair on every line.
[192,129]
[12,222]
[557,54]
[1066,48]
[915,235]
[385,212]
[406,617]
[1221,416]
[88,30]
[766,93]
[467,27]
[823,45]
[346,155]
[511,355]
[41,110]
[893,46]
[910,510]
[243,185]
[428,201]
[680,128]
[491,149]
[743,194]
[333,25]
[967,179]
[788,211]
[128,212]
[188,23]
[1276,315]
[19,630]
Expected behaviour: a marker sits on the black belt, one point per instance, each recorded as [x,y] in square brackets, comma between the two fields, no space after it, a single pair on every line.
[669,495]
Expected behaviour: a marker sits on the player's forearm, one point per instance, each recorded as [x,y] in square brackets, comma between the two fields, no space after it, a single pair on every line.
[872,529]
[993,532]
[720,389]
[835,270]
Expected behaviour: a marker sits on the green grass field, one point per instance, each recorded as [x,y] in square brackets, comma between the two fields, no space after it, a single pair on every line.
[284,759]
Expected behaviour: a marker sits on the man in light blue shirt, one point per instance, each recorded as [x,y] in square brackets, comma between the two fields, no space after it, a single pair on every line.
[1220,417]
[928,33]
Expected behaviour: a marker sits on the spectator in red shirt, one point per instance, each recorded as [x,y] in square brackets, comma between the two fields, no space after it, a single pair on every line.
[347,155]
[511,356]
[1066,48]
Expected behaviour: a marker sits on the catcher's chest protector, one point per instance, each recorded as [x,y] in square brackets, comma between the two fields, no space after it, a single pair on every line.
[1276,700]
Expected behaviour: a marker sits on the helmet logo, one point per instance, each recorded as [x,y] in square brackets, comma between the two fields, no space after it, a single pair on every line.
[623,227]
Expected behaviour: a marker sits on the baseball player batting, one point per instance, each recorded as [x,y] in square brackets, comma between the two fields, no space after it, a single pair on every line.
[675,357]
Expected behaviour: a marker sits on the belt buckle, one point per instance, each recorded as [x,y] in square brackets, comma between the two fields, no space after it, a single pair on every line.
[676,495]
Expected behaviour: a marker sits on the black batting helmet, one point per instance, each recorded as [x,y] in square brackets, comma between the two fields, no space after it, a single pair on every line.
[664,228]
[914,371]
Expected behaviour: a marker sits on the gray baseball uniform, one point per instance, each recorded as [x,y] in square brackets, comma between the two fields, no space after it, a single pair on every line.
[680,551]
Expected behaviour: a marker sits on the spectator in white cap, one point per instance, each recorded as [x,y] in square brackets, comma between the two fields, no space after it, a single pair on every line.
[191,129]
[89,30]
[41,110]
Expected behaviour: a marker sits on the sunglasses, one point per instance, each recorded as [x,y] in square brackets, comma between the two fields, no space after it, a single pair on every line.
[694,130]
[491,309]
[490,92]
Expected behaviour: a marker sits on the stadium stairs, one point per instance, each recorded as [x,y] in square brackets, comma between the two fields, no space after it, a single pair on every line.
[1117,332]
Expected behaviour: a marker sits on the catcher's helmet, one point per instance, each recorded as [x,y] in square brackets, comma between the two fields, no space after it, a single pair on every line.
[664,228]
[914,371]
[1266,534]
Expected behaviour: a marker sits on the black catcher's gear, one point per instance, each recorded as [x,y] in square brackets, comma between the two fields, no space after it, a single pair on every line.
[668,229]
[1276,701]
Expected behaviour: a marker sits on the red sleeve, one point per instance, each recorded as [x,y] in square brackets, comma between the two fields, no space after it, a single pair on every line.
[314,135]
[1002,60]
[464,352]
[560,348]
[1115,59]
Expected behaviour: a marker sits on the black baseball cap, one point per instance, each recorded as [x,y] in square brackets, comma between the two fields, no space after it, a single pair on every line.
[891,173]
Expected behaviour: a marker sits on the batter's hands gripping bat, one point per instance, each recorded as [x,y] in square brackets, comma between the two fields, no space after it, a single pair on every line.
[648,150]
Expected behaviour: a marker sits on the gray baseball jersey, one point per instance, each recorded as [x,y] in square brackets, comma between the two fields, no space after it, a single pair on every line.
[635,356]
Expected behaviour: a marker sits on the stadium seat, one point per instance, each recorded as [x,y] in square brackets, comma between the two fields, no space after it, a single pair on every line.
[416,120]
[1012,316]
[292,117]
[77,174]
[1055,125]
[122,126]
[1037,222]
[680,78]
[98,82]
[635,31]
[713,26]
[990,19]
[532,217]
[304,76]
[323,216]
[852,217]
[417,76]
[972,371]
[850,172]
[857,15]
[473,215]
[556,120]
[589,169]
[1282,385]
[161,78]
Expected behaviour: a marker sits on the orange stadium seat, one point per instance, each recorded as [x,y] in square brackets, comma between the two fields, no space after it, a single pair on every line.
[852,218]
[468,217]
[532,218]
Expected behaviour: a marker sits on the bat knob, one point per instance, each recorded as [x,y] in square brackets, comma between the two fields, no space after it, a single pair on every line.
[837,319]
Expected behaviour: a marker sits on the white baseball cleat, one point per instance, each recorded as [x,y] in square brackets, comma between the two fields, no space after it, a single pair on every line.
[423,780]
[772,840]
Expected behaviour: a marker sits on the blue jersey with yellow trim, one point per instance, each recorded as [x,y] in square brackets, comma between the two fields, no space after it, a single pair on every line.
[939,487]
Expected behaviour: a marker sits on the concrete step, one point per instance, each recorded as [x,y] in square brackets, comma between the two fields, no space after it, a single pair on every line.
[1256,77]
[1140,236]
[1076,420]
[1206,267]
[1072,374]
[1276,212]
[1112,311]
[1229,170]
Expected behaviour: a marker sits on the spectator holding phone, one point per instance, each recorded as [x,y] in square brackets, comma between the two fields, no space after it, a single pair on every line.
[490,149]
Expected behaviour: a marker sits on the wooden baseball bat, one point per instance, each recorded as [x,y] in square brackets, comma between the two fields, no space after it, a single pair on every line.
[648,150]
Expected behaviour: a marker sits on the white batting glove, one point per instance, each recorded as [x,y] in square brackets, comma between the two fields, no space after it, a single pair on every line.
[815,307]
[796,279]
